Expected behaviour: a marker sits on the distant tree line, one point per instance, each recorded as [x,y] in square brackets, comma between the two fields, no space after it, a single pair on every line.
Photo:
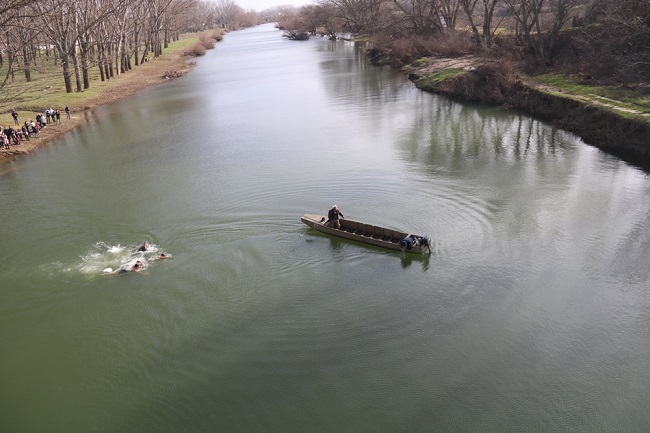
[611,30]
[113,35]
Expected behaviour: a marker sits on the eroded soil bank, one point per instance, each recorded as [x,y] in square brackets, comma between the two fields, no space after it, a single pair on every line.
[624,136]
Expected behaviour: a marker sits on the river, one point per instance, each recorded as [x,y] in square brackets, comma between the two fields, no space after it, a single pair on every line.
[531,314]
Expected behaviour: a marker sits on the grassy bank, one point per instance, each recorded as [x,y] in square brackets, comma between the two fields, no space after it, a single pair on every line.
[627,102]
[616,120]
[47,90]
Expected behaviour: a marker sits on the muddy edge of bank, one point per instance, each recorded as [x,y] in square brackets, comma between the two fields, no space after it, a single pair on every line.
[625,137]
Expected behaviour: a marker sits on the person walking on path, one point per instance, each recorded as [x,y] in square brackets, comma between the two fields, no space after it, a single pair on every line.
[67,111]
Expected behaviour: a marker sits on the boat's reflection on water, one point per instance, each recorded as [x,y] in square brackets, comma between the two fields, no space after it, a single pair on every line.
[406,259]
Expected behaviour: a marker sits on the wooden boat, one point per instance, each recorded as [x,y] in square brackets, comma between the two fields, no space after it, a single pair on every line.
[367,233]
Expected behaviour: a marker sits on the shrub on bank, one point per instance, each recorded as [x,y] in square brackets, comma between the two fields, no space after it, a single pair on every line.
[207,42]
[405,50]
[198,50]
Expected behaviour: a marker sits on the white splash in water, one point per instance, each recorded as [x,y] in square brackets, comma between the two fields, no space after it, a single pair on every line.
[103,258]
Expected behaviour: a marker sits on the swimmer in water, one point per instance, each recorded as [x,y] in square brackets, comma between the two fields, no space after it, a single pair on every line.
[161,256]
[143,247]
[136,267]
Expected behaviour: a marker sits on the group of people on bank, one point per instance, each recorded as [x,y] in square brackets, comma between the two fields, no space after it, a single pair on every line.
[11,135]
[14,134]
[53,116]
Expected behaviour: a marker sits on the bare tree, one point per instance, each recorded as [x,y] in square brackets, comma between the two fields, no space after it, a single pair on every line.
[19,34]
[449,12]
[104,33]
[137,14]
[528,23]
[486,11]
[19,40]
[157,15]
[561,12]
[102,50]
[423,15]
[360,15]
[59,27]
[189,15]
[227,12]
[89,17]
[248,18]
[310,18]
[541,35]
[10,9]
[618,39]
[176,18]
[328,20]
[10,47]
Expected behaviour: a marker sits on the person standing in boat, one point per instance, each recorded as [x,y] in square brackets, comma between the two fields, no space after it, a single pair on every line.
[333,217]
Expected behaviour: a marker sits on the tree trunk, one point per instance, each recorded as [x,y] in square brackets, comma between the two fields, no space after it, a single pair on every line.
[118,55]
[67,75]
[102,77]
[145,52]
[136,44]
[107,64]
[26,64]
[158,45]
[468,7]
[488,13]
[109,60]
[77,73]
[85,62]
[127,56]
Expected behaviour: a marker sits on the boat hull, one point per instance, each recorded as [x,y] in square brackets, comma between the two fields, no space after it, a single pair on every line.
[362,232]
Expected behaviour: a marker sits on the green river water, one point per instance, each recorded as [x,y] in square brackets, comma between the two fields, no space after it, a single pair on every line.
[532,313]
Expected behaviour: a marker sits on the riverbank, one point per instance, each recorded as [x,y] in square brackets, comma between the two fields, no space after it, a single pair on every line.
[601,122]
[170,65]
